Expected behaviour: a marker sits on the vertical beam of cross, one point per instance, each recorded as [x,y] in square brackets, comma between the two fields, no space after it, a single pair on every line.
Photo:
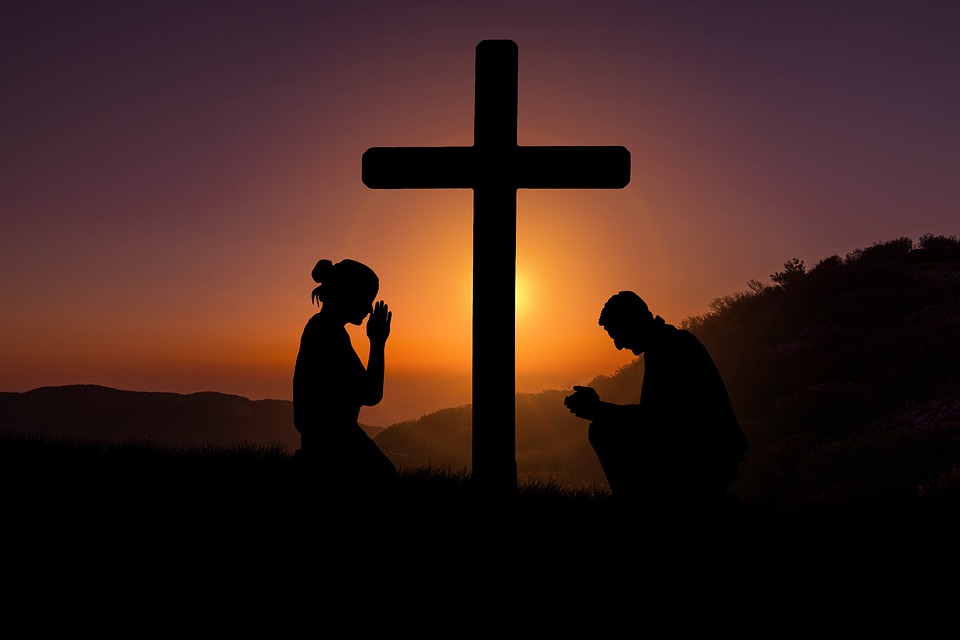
[495,167]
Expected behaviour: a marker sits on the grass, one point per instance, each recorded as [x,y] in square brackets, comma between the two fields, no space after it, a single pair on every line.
[143,475]
[135,533]
[139,506]
[53,469]
[257,492]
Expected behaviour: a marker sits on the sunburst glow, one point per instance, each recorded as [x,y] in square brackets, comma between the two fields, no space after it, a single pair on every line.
[522,295]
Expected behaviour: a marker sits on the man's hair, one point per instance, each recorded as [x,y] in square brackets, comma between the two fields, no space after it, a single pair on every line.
[625,304]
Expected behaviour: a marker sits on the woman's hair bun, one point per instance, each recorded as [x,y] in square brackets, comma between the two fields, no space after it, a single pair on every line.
[322,270]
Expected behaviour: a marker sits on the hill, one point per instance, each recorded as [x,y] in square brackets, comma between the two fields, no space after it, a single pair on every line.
[550,441]
[843,375]
[101,413]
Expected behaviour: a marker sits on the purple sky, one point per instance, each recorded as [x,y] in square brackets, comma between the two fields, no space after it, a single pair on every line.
[171,171]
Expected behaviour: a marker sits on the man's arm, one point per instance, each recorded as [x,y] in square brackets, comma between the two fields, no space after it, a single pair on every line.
[585,403]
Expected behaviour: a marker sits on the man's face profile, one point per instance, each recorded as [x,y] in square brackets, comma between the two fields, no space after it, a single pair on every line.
[626,319]
[627,336]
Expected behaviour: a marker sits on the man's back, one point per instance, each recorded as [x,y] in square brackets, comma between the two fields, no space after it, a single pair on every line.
[681,446]
[696,442]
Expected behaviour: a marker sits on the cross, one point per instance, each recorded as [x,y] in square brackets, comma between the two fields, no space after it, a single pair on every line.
[495,167]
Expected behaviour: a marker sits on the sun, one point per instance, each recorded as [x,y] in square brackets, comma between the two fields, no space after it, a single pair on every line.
[522,296]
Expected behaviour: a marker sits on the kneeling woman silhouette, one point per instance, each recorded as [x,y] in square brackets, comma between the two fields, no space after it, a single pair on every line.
[330,383]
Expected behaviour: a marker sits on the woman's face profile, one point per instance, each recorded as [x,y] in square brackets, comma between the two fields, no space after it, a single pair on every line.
[357,308]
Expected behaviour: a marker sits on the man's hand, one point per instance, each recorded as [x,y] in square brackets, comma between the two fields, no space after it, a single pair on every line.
[584,402]
[378,326]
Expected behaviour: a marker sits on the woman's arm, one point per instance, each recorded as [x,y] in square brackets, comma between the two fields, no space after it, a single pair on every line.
[378,330]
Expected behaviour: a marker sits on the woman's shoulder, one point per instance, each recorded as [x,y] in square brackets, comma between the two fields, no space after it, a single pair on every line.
[315,321]
[320,330]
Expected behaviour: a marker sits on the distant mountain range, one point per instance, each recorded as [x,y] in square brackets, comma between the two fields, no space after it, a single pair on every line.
[101,413]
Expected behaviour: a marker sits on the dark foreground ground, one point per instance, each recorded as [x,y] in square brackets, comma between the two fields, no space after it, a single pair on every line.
[124,532]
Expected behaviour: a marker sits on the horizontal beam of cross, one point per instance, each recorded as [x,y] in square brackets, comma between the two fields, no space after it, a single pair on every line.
[516,168]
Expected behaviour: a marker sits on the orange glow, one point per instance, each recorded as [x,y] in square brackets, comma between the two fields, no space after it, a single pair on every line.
[160,228]
[524,295]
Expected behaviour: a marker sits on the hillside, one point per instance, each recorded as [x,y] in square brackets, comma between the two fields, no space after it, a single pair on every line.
[844,376]
[551,442]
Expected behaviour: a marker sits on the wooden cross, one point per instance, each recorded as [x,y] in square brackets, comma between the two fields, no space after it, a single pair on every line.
[495,167]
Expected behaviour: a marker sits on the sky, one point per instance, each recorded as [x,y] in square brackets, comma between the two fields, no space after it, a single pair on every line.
[170,172]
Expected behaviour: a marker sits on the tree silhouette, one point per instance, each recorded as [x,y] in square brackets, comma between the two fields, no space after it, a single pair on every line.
[793,270]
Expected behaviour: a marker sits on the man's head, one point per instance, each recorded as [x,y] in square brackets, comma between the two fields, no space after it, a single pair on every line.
[627,321]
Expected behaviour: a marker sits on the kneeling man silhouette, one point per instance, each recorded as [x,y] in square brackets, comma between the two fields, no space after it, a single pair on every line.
[679,448]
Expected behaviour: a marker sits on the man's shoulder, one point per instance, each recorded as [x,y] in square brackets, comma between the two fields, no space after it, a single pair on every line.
[679,335]
[683,342]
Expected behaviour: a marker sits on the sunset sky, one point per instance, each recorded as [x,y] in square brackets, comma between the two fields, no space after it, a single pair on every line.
[172,171]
